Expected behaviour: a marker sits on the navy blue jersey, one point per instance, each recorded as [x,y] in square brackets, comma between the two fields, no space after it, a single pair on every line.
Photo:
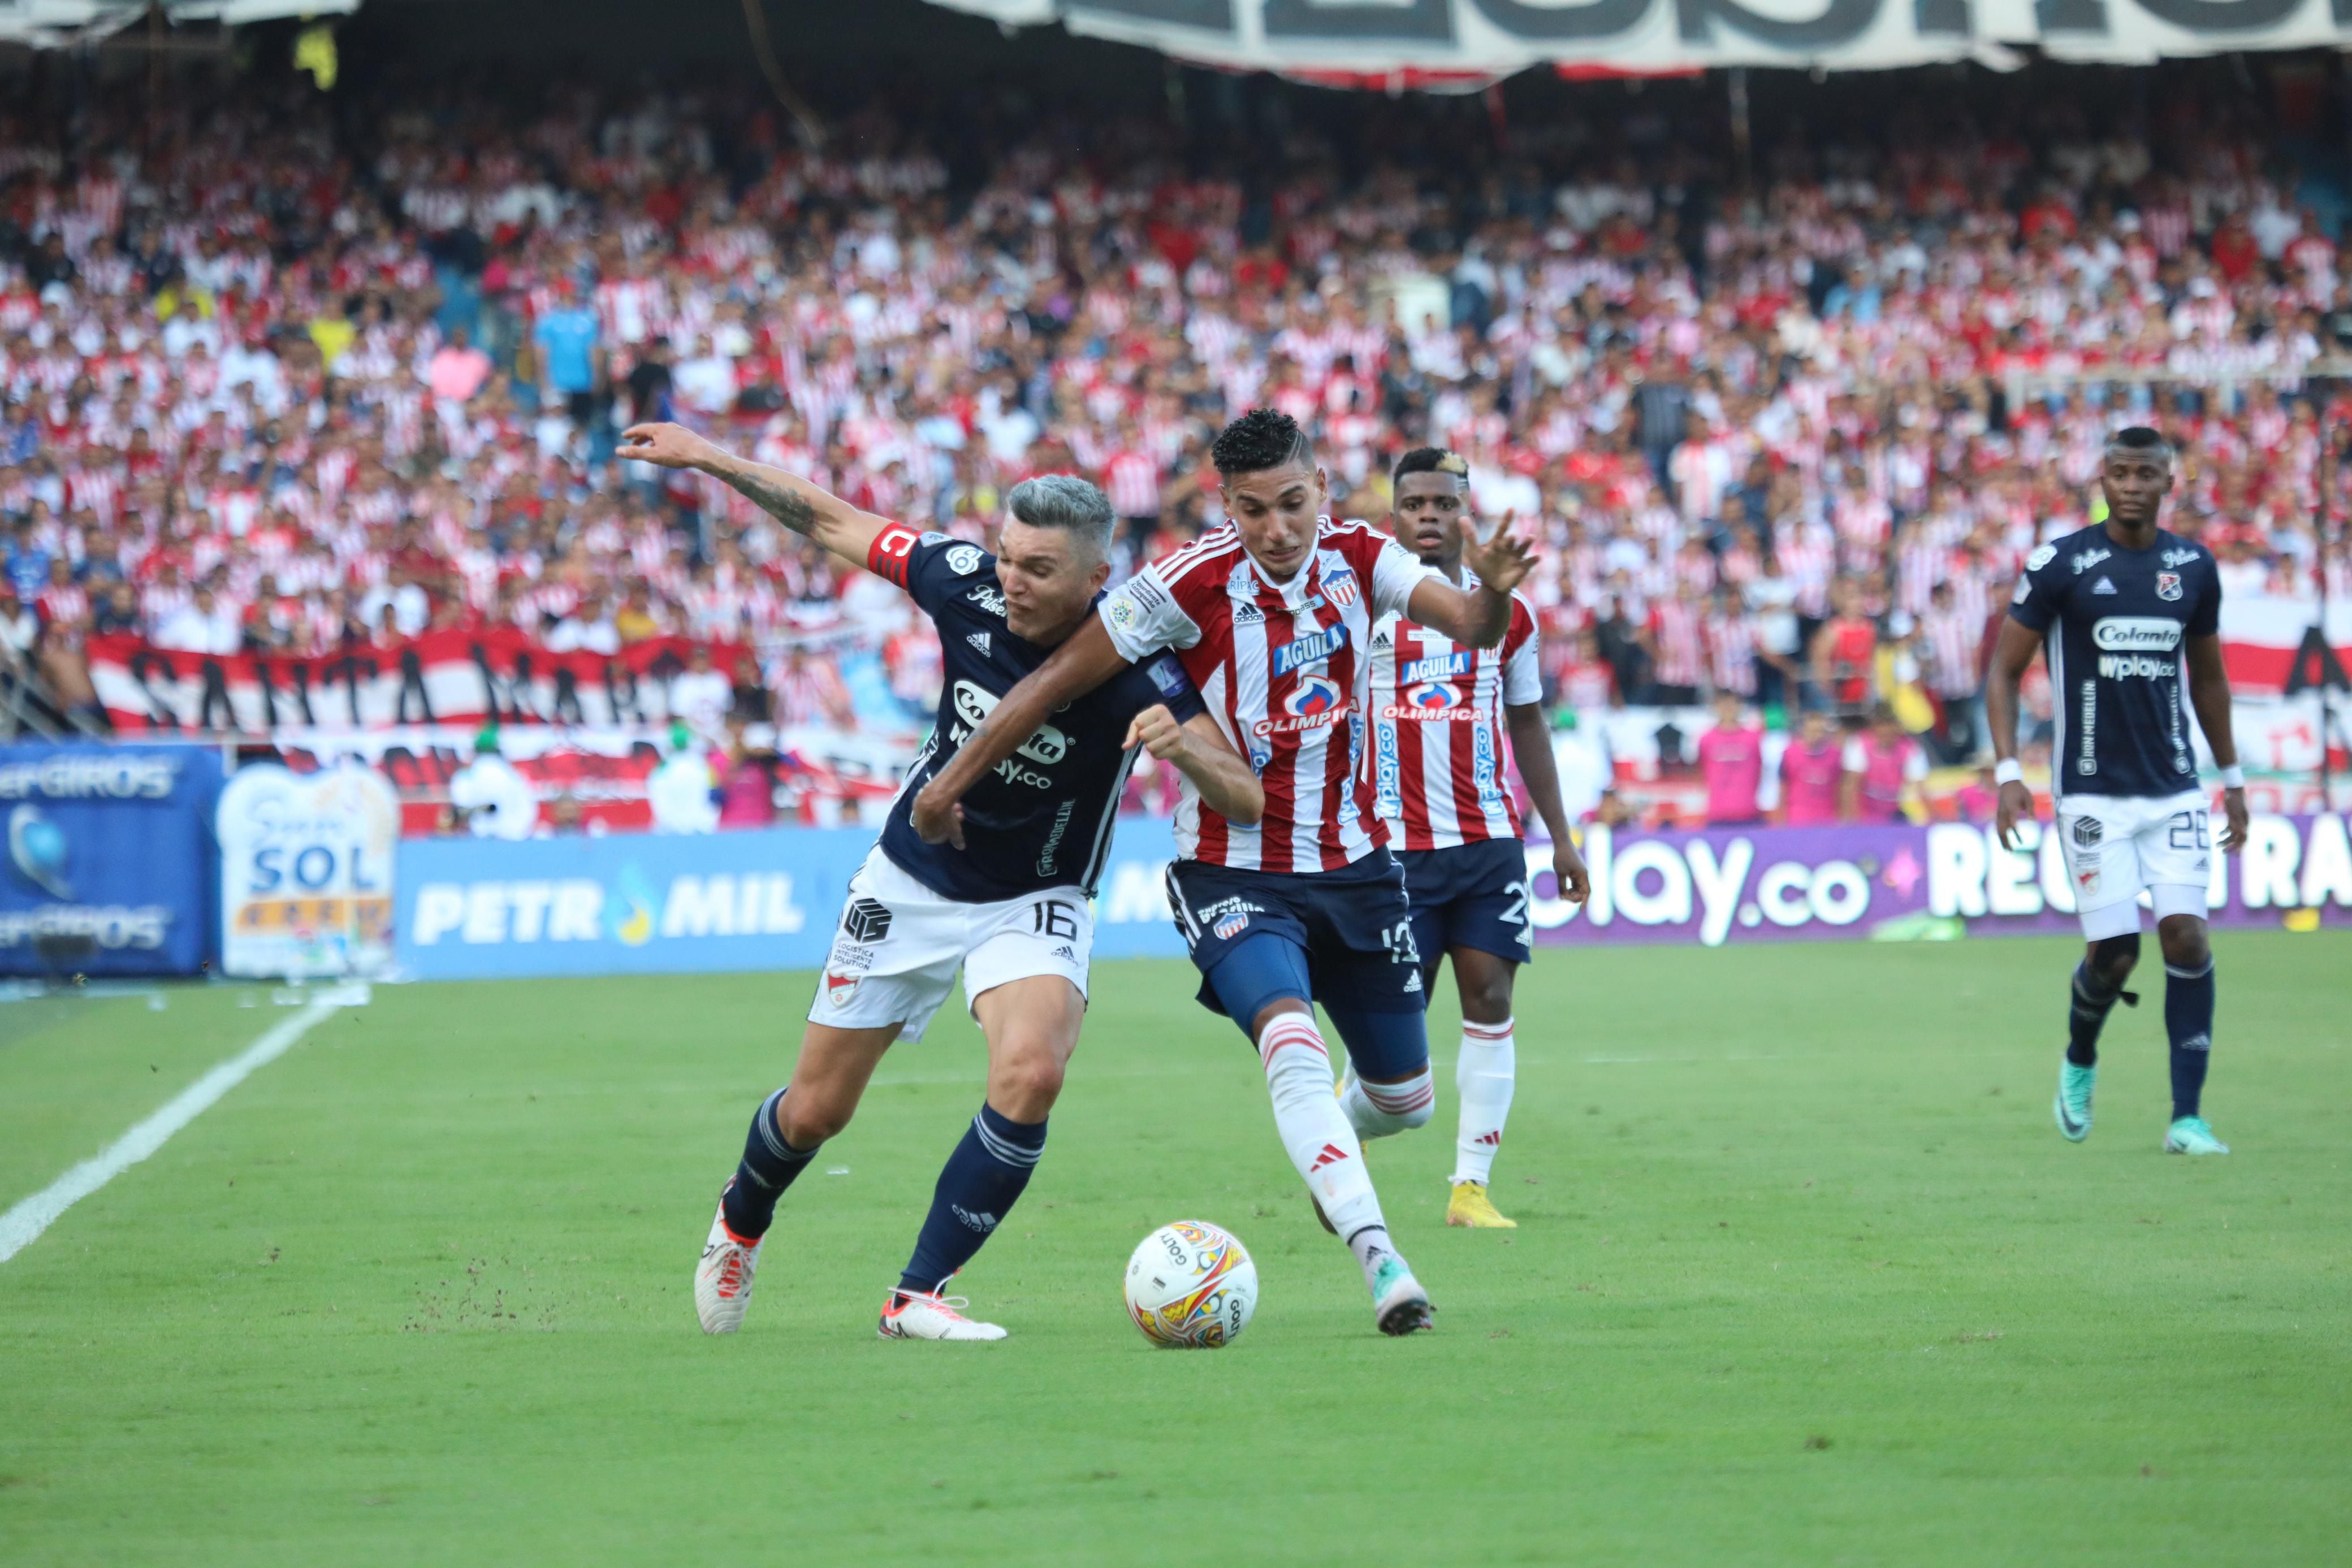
[1043,817]
[2114,621]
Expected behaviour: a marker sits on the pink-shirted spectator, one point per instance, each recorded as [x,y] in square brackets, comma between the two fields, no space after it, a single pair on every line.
[747,779]
[1883,768]
[458,369]
[1731,760]
[1812,770]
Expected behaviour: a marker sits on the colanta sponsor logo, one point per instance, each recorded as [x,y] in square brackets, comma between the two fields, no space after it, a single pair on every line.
[2136,634]
[973,706]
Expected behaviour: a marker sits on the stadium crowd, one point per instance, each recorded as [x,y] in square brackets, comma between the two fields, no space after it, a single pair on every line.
[274,377]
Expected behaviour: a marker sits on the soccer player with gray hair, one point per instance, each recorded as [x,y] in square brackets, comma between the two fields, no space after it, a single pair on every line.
[1009,906]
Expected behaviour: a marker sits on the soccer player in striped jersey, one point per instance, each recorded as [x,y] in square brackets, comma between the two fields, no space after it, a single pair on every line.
[1272,616]
[1013,912]
[1446,720]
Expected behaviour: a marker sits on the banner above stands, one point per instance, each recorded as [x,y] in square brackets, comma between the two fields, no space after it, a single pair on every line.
[1438,44]
[439,677]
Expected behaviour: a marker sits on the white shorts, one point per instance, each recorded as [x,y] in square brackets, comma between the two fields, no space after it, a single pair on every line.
[896,952]
[2118,845]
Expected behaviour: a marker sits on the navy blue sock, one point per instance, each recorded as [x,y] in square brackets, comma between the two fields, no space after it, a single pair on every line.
[769,1166]
[2189,1024]
[978,1188]
[2093,1001]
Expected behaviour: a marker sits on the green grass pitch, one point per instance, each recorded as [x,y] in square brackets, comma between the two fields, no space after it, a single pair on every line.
[1805,1276]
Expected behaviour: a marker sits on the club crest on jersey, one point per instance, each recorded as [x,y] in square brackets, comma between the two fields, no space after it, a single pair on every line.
[1311,649]
[2167,585]
[1340,587]
[1231,923]
[839,989]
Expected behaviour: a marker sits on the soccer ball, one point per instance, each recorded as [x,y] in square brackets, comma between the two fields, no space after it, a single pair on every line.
[1191,1284]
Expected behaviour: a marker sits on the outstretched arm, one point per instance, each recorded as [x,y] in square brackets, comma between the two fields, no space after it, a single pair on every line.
[2209,694]
[1476,619]
[2012,652]
[1076,668]
[1539,770]
[808,510]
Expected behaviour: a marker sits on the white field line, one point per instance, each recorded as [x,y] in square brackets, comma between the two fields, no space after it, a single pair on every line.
[22,1226]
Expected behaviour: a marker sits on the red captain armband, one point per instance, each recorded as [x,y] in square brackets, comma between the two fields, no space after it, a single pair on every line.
[887,556]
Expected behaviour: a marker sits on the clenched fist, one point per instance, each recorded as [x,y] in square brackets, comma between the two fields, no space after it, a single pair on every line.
[1158,732]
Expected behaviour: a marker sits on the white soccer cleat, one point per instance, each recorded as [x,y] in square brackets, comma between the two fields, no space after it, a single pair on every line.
[916,1314]
[722,1281]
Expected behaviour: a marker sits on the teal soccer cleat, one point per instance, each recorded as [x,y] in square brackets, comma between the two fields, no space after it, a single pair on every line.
[2073,1103]
[2190,1135]
[1400,1306]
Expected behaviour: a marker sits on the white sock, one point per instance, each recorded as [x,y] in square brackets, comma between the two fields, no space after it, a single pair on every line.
[1384,1110]
[1488,1064]
[1315,1131]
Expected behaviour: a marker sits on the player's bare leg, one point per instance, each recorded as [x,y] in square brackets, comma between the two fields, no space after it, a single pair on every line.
[1484,1074]
[827,1082]
[1032,1025]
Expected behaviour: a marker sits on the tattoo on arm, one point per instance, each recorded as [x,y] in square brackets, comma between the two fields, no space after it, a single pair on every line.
[766,488]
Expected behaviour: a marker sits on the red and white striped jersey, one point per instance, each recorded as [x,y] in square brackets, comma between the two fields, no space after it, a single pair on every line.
[1439,743]
[1286,673]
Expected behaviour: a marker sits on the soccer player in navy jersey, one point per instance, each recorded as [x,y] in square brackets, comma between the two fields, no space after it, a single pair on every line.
[1273,615]
[2129,615]
[1010,906]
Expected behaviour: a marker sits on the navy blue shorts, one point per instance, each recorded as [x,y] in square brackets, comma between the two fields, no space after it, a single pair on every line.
[1352,924]
[1471,895]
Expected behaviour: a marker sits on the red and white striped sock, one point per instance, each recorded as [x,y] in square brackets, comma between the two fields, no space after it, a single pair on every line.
[1384,1110]
[1483,1073]
[1322,1145]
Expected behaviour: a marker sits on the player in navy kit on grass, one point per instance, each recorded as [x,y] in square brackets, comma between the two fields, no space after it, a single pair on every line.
[1010,906]
[2124,609]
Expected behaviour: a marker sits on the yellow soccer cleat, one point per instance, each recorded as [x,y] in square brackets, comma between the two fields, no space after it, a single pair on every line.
[1470,1206]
